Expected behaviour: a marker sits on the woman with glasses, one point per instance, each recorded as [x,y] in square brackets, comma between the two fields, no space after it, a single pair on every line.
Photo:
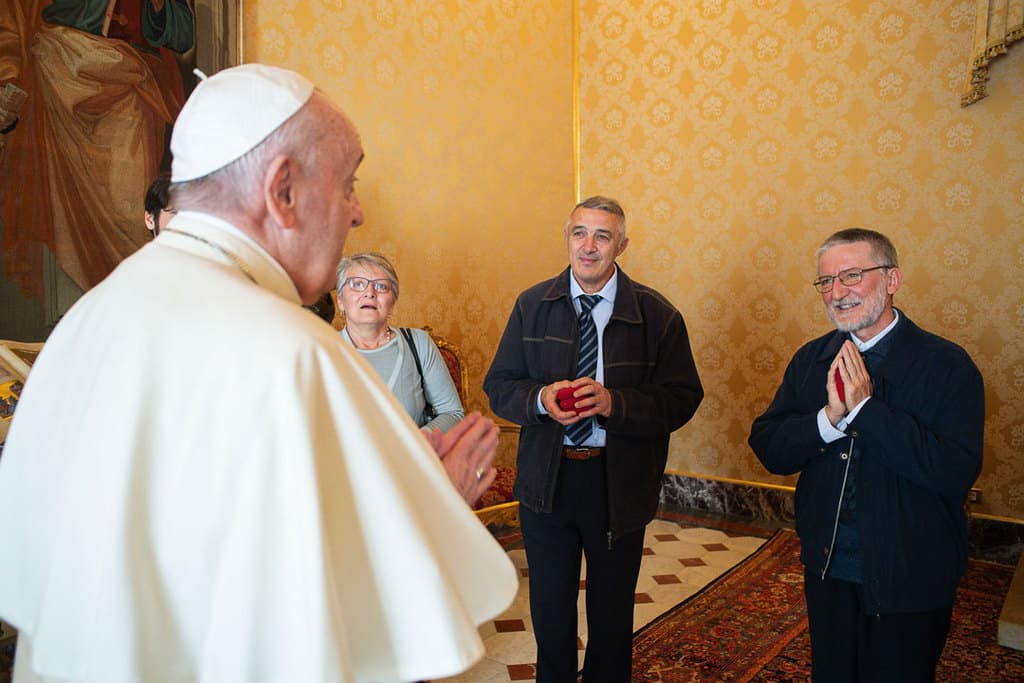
[411,366]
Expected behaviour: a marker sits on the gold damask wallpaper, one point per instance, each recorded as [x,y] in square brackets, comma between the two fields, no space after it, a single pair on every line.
[465,109]
[741,134]
[738,135]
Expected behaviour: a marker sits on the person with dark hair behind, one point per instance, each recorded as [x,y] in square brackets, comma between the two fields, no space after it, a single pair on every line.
[323,307]
[157,199]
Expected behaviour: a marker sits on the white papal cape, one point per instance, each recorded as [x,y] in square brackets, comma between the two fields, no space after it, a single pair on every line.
[201,483]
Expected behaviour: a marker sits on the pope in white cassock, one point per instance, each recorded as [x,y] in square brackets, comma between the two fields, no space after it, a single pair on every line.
[201,483]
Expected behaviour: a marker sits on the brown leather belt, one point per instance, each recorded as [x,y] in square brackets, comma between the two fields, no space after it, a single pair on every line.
[580,452]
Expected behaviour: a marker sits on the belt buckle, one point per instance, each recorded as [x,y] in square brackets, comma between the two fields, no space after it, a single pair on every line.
[580,452]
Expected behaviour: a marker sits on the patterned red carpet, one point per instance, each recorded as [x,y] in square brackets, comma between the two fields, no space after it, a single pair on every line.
[751,625]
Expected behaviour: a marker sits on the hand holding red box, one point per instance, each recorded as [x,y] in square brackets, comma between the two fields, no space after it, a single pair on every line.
[566,400]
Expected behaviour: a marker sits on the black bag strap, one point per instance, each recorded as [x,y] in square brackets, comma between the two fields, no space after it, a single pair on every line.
[428,410]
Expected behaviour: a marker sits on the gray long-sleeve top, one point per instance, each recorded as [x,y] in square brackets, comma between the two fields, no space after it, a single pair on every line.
[396,366]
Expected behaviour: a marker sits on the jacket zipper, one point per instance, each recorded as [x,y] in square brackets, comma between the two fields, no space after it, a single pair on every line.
[839,504]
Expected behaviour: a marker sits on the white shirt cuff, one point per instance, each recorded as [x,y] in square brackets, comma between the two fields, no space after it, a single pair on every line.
[828,432]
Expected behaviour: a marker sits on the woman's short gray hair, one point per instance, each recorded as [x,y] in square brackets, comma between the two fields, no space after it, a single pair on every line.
[368,258]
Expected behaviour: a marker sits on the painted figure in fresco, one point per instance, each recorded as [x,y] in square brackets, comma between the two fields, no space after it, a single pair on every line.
[230,493]
[103,87]
[884,423]
[597,369]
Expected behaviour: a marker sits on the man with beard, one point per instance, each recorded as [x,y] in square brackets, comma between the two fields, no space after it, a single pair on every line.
[884,422]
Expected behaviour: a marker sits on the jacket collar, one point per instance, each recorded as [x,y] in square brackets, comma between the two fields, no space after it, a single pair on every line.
[906,338]
[626,306]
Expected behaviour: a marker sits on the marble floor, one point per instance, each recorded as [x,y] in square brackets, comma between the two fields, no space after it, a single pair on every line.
[679,560]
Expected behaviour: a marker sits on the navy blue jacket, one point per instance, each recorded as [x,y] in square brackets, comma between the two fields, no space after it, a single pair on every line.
[648,370]
[919,441]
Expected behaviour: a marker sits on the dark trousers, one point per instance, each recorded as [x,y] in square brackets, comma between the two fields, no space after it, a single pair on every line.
[848,645]
[555,541]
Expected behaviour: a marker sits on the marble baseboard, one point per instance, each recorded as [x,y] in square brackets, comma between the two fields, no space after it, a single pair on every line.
[727,499]
[995,540]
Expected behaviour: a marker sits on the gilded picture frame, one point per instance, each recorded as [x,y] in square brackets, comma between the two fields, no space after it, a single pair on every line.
[218,35]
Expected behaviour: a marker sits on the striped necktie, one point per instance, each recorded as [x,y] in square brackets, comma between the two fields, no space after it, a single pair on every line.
[587,366]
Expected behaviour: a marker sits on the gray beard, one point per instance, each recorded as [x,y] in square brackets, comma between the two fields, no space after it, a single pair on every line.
[870,317]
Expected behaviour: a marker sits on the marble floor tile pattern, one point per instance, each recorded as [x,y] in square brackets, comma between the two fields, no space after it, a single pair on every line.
[678,561]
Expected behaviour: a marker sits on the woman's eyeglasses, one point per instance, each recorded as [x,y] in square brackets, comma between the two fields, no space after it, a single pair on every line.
[359,284]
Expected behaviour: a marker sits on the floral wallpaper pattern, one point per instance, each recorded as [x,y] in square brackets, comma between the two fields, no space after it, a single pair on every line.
[737,134]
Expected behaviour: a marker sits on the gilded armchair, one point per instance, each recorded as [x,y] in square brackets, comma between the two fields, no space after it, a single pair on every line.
[497,507]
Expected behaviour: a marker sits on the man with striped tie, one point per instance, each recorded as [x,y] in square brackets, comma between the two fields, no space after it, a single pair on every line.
[597,369]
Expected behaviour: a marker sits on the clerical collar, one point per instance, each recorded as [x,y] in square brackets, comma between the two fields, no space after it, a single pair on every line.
[262,267]
[230,255]
[864,346]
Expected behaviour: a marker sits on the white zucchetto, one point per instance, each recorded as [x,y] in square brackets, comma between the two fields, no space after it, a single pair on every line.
[230,113]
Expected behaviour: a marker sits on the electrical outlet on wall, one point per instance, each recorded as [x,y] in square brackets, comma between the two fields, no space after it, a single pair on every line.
[974,496]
